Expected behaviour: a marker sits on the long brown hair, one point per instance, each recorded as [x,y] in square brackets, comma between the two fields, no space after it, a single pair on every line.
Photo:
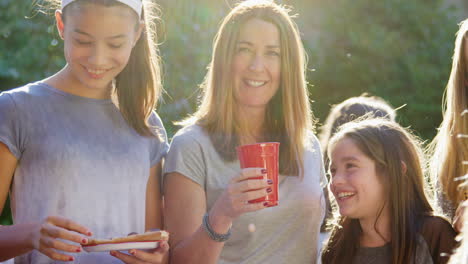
[388,145]
[288,116]
[449,152]
[138,86]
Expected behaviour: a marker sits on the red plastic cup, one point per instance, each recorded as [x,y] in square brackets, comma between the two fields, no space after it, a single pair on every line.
[262,155]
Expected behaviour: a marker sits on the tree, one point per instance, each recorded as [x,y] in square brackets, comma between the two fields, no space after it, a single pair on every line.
[30,48]
[399,50]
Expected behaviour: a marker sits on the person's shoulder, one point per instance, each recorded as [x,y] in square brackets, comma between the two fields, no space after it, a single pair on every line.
[157,128]
[436,226]
[26,91]
[192,131]
[312,137]
[155,120]
[439,236]
[190,135]
[435,221]
[190,139]
[17,95]
[312,142]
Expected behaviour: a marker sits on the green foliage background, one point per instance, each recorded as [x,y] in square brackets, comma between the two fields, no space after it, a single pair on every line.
[397,49]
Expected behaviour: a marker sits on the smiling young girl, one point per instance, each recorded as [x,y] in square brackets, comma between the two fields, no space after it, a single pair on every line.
[81,150]
[378,183]
[347,111]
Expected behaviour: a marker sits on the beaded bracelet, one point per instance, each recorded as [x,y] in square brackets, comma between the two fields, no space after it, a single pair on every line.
[211,233]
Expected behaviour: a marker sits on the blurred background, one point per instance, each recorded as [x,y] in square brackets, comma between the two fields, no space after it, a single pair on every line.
[399,50]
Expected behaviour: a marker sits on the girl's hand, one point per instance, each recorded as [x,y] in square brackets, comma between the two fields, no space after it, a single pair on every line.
[45,235]
[139,256]
[234,201]
[458,220]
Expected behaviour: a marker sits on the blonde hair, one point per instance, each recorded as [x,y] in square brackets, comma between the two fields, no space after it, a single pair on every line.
[138,86]
[388,145]
[448,152]
[288,116]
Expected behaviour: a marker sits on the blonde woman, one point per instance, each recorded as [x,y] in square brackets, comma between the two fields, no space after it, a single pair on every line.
[450,147]
[254,91]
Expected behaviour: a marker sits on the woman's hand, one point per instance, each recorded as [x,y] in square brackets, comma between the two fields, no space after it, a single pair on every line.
[234,201]
[140,257]
[459,218]
[45,235]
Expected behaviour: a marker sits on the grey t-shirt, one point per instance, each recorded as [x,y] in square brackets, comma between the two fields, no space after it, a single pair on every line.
[383,255]
[372,255]
[78,159]
[287,233]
